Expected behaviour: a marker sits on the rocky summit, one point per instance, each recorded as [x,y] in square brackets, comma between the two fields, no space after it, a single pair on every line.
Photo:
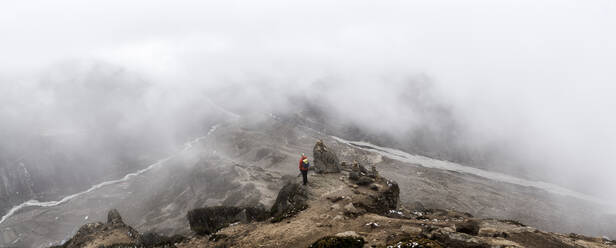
[354,207]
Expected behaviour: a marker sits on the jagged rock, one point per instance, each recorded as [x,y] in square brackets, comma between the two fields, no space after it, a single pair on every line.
[325,161]
[113,217]
[111,233]
[291,199]
[208,220]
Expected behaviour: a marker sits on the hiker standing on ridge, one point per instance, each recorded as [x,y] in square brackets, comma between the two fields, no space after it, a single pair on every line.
[304,164]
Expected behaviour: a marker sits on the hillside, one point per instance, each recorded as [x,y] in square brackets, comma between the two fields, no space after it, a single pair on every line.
[351,207]
[245,162]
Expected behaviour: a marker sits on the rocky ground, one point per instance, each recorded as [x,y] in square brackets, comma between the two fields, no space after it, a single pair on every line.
[335,210]
[246,162]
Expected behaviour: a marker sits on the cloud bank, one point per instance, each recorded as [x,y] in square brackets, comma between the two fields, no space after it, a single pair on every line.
[531,78]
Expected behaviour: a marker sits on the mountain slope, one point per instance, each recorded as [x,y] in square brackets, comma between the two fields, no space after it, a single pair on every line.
[245,161]
[348,209]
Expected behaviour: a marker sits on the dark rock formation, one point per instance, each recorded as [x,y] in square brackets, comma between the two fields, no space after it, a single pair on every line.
[339,242]
[361,176]
[469,227]
[211,219]
[152,239]
[325,161]
[291,199]
[113,217]
[389,197]
[364,180]
[382,201]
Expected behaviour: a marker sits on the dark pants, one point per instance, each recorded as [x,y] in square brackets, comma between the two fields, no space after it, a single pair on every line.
[305,176]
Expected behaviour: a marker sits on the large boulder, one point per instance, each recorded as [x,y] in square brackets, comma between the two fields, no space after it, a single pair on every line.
[151,239]
[383,199]
[325,161]
[291,199]
[209,220]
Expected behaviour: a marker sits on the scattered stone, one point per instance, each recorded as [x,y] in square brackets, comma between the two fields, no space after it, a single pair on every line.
[335,199]
[412,230]
[347,234]
[372,225]
[350,208]
[469,227]
[374,187]
[324,225]
[415,242]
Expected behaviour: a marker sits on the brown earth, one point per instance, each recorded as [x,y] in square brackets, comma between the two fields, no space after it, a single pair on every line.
[336,209]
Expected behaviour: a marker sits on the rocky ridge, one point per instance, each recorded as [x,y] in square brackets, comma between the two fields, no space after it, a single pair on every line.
[352,208]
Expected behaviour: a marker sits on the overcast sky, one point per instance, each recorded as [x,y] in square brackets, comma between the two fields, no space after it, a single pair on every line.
[539,74]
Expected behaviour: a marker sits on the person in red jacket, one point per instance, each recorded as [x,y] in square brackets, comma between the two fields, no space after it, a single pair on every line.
[304,164]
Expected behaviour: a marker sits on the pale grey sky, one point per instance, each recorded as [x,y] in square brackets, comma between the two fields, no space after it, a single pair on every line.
[539,74]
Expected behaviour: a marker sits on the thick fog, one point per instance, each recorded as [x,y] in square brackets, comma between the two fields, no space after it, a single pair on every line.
[533,79]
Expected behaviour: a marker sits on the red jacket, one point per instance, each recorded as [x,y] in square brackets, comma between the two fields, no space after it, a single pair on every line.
[301,162]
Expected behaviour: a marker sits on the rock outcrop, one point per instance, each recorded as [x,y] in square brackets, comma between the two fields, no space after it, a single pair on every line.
[291,199]
[211,219]
[100,234]
[325,161]
[115,233]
